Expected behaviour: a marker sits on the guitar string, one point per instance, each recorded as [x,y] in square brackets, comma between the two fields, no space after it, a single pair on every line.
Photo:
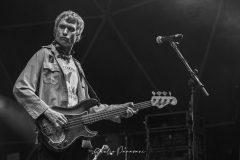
[97,116]
[135,106]
[103,113]
[90,118]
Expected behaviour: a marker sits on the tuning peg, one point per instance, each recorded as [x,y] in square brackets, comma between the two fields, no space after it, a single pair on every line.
[173,101]
[170,94]
[159,93]
[164,93]
[153,93]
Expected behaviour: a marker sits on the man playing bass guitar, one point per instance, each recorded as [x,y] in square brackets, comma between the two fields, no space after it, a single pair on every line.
[52,86]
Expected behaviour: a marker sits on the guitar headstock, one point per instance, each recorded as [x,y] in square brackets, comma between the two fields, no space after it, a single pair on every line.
[161,99]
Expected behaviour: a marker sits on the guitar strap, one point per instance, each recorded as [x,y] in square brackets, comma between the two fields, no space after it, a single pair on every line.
[91,92]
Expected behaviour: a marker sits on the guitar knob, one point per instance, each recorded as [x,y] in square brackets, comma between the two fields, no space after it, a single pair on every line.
[65,143]
[50,142]
[159,93]
[59,145]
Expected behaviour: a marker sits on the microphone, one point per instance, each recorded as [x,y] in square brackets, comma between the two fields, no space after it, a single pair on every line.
[104,148]
[161,39]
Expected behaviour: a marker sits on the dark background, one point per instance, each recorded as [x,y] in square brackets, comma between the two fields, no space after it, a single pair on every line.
[123,62]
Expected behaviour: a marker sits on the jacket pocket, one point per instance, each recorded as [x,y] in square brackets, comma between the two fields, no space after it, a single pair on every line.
[51,73]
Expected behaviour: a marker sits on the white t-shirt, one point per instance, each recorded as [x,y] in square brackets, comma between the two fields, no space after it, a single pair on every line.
[71,76]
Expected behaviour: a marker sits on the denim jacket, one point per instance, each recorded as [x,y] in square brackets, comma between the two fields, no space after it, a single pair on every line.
[42,85]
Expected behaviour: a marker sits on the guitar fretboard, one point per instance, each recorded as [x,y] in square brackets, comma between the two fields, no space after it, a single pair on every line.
[94,117]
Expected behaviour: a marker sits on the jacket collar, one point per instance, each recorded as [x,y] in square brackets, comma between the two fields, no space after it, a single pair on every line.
[59,48]
[56,48]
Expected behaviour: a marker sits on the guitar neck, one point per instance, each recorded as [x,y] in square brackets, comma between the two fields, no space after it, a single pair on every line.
[91,118]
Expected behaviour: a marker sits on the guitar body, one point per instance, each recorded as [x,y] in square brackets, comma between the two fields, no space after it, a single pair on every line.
[62,139]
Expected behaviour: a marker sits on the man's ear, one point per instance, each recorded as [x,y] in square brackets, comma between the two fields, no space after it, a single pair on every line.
[78,38]
[54,33]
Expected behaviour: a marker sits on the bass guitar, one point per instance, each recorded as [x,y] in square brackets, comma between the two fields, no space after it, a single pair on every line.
[78,118]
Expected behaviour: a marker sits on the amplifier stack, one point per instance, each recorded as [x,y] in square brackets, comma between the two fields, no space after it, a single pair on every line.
[170,137]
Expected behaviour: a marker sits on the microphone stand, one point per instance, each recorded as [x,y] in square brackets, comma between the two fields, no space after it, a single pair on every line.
[126,145]
[195,83]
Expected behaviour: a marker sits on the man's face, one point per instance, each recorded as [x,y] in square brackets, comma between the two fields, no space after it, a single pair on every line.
[66,33]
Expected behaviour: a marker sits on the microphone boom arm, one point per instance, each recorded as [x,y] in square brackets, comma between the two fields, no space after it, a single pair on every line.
[193,74]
